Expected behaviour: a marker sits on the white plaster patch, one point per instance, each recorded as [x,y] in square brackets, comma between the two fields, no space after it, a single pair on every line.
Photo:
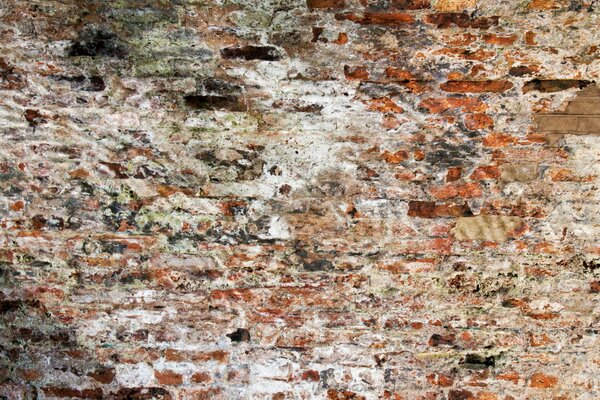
[134,375]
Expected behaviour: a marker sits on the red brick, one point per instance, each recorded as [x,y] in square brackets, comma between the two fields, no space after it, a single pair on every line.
[475,122]
[491,38]
[499,140]
[440,105]
[326,3]
[453,174]
[486,172]
[542,381]
[311,375]
[395,157]
[384,105]
[460,394]
[201,377]
[103,375]
[356,73]
[452,190]
[168,377]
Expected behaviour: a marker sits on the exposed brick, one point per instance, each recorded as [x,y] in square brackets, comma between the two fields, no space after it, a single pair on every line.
[461,20]
[311,375]
[523,70]
[460,394]
[201,377]
[542,381]
[379,18]
[62,392]
[466,190]
[320,199]
[478,122]
[553,85]
[168,377]
[326,3]
[476,86]
[486,172]
[429,209]
[491,38]
[103,375]
[543,5]
[356,73]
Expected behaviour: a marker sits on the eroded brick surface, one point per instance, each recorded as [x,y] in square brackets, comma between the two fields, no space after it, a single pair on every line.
[292,199]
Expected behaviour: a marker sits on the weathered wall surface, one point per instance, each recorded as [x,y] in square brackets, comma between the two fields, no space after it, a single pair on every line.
[292,199]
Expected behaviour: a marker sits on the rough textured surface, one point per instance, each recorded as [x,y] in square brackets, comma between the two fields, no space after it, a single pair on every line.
[291,199]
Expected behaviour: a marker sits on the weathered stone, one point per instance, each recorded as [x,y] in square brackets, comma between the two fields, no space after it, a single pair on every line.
[454,5]
[518,172]
[494,228]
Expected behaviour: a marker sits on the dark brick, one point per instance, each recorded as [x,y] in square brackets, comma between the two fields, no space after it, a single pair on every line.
[249,52]
[461,20]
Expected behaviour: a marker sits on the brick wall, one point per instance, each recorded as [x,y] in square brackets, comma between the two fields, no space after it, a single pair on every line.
[292,199]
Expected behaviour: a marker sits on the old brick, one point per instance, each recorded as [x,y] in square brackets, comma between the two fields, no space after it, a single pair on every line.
[333,394]
[103,375]
[486,172]
[200,201]
[461,20]
[543,5]
[168,377]
[440,105]
[407,4]
[63,392]
[310,375]
[542,381]
[395,157]
[326,3]
[441,340]
[356,73]
[145,393]
[398,74]
[509,376]
[499,140]
[460,394]
[452,190]
[429,209]
[491,38]
[553,85]
[523,70]
[453,174]
[29,374]
[201,377]
[384,105]
[379,18]
[476,86]
[478,122]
